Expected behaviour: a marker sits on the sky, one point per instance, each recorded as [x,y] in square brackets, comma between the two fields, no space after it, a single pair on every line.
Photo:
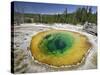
[46,8]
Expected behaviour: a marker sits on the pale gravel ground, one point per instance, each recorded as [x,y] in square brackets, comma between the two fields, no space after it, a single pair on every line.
[22,38]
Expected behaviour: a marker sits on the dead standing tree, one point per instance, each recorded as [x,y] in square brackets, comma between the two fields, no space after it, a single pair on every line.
[19,15]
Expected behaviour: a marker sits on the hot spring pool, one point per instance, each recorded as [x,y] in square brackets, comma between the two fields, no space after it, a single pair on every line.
[59,47]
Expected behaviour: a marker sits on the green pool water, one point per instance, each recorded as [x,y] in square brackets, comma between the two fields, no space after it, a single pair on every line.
[56,43]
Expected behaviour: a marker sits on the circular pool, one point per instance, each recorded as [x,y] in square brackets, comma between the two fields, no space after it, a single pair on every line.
[59,47]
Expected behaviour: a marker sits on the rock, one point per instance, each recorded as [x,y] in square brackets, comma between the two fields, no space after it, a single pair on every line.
[90,28]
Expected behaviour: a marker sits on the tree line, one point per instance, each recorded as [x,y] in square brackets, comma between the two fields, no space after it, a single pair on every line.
[80,16]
